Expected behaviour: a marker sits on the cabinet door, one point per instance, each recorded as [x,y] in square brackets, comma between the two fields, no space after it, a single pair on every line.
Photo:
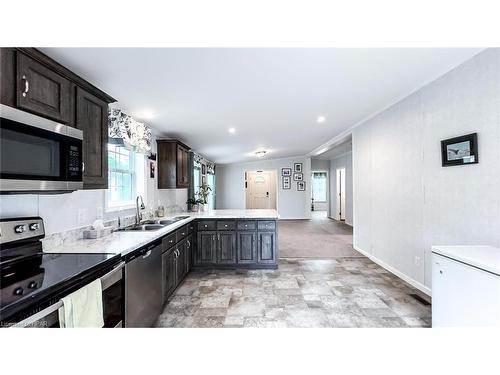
[247,247]
[180,262]
[266,253]
[205,249]
[169,277]
[43,91]
[226,248]
[189,252]
[182,167]
[92,119]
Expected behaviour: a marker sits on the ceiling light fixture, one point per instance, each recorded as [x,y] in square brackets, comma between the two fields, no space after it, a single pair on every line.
[321,119]
[261,154]
[232,130]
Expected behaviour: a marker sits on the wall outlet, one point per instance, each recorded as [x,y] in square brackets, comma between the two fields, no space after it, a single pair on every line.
[417,261]
[82,216]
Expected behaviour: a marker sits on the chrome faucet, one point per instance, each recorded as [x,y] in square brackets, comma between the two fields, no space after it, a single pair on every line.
[138,215]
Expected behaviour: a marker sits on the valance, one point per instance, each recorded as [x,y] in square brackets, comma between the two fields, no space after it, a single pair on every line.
[125,131]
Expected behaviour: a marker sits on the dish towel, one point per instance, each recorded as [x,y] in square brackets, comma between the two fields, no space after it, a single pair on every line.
[83,308]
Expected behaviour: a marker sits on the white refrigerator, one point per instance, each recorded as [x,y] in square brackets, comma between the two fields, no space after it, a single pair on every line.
[465,286]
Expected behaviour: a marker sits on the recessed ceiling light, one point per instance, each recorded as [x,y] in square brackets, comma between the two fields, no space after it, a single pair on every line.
[146,114]
[232,130]
[321,119]
[261,154]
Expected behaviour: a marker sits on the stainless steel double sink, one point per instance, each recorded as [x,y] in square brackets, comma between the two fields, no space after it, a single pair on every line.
[149,225]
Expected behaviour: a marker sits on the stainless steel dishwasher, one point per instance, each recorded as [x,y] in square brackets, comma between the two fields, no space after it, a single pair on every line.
[143,293]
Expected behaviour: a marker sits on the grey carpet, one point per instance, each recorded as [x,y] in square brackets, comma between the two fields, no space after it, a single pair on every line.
[319,237]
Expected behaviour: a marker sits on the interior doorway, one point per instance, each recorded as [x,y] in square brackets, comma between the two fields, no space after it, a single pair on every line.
[260,189]
[340,215]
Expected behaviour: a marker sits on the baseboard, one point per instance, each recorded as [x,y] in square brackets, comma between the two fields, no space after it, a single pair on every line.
[394,271]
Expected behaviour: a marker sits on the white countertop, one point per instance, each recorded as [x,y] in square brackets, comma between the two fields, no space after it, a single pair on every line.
[483,257]
[123,242]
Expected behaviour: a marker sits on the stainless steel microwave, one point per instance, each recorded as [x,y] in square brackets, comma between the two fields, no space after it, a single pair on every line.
[37,154]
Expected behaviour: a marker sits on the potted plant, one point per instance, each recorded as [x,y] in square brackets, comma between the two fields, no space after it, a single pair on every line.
[202,194]
[194,203]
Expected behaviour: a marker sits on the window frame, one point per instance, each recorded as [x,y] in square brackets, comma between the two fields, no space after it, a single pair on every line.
[326,186]
[137,171]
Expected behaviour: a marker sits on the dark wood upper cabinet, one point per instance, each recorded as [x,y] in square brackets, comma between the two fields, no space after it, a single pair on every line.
[172,164]
[92,119]
[42,91]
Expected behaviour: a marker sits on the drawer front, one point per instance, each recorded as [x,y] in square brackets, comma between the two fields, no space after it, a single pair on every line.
[191,227]
[181,233]
[226,225]
[207,225]
[247,225]
[169,241]
[267,225]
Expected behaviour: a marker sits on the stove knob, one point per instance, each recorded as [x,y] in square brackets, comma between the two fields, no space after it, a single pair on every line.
[18,291]
[32,285]
[34,226]
[20,228]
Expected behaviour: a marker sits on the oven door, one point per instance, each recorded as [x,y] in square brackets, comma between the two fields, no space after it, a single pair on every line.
[37,154]
[112,299]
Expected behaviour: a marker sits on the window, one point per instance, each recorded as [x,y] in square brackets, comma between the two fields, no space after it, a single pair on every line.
[125,179]
[318,190]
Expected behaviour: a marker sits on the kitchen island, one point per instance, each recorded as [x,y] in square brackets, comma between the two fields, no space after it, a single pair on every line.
[158,260]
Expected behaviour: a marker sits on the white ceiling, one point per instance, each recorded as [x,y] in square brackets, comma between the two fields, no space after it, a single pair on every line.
[272,97]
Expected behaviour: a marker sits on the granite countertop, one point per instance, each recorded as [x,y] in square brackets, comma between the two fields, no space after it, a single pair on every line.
[484,257]
[124,242]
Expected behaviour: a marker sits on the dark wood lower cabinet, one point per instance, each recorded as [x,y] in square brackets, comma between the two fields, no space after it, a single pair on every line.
[206,248]
[266,250]
[169,275]
[247,247]
[226,247]
[180,262]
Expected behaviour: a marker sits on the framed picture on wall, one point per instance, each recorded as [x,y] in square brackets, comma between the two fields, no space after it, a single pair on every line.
[298,177]
[152,168]
[287,183]
[297,167]
[203,169]
[286,171]
[459,150]
[301,186]
[203,180]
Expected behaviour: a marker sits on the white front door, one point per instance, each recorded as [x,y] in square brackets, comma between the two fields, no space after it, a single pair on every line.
[260,190]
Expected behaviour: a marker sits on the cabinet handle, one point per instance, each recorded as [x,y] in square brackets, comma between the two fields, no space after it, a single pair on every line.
[189,243]
[225,225]
[26,86]
[83,166]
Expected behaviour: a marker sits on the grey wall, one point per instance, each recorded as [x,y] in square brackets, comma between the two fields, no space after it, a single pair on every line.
[342,161]
[404,201]
[292,204]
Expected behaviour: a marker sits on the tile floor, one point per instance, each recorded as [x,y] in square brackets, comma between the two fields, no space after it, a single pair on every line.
[342,292]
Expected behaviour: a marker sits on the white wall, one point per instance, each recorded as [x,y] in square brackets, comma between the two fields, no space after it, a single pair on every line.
[292,204]
[60,212]
[404,201]
[342,161]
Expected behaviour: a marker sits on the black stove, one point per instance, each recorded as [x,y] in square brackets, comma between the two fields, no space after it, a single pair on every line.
[31,279]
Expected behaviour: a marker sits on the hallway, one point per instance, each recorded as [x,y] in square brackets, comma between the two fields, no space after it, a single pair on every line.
[319,237]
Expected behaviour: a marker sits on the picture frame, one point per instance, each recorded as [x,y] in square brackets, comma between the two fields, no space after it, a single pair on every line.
[297,167]
[152,168]
[286,183]
[203,180]
[301,185]
[459,150]
[203,169]
[286,172]
[298,177]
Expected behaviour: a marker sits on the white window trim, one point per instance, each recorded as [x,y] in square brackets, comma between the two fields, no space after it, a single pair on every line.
[326,187]
[140,187]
